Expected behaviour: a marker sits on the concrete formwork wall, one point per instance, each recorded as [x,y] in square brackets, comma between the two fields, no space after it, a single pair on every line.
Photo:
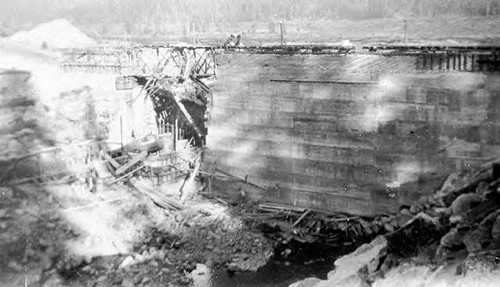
[285,122]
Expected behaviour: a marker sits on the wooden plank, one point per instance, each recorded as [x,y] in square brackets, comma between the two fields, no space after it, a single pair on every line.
[127,174]
[340,185]
[156,196]
[135,160]
[265,167]
[270,99]
[298,135]
[241,146]
[340,82]
[301,217]
[325,202]
[187,115]
[317,106]
[303,166]
[342,118]
[111,161]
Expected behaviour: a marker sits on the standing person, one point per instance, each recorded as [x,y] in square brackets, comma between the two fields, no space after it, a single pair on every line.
[238,41]
[231,41]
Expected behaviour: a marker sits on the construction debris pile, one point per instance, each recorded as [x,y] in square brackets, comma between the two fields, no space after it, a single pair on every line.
[336,230]
[456,228]
[133,234]
[171,247]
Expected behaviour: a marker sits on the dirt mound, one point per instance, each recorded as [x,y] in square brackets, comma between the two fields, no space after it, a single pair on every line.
[58,34]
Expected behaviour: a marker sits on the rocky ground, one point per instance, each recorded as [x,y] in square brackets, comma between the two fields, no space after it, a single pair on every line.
[58,233]
[447,238]
[41,241]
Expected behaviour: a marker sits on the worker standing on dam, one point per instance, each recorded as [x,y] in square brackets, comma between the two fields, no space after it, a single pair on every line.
[238,41]
[231,41]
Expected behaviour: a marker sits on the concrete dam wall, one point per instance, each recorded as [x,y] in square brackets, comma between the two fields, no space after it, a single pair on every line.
[348,133]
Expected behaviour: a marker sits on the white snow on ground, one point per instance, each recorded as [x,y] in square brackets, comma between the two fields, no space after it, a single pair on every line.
[58,34]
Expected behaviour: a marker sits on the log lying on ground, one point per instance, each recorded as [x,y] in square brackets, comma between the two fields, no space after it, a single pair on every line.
[156,196]
[280,208]
[164,201]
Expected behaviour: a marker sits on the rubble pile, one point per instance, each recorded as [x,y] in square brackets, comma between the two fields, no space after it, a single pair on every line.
[37,237]
[284,224]
[167,252]
[455,227]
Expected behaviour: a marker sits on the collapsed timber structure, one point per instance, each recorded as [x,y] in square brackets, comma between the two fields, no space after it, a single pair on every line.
[320,126]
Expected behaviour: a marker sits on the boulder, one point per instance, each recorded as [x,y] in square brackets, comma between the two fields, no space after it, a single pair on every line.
[351,281]
[3,212]
[368,255]
[465,202]
[453,239]
[129,260]
[421,230]
[6,191]
[478,213]
[495,230]
[482,235]
[127,283]
[351,269]
[308,282]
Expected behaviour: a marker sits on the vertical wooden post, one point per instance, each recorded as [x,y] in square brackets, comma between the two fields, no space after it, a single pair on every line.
[121,133]
[405,27]
[472,62]
[496,61]
[465,61]
[459,60]
[432,60]
[215,63]
[494,67]
[454,61]
[40,166]
[281,32]
[176,133]
[194,33]
[447,60]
